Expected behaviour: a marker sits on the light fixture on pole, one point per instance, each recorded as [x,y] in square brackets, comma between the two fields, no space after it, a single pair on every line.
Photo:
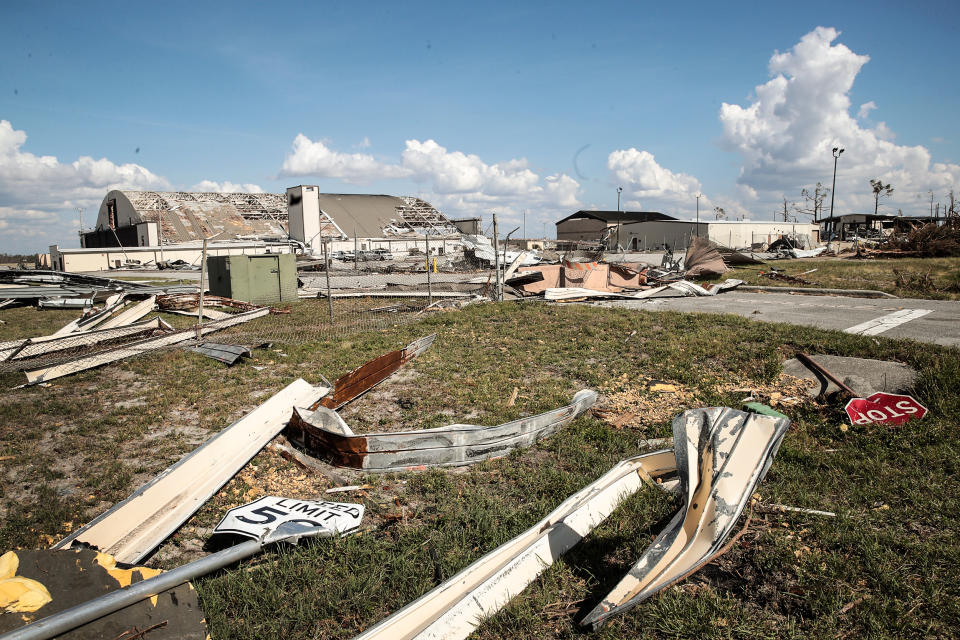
[837,151]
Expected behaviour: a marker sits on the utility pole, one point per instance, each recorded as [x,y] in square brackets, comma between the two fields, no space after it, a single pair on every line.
[837,152]
[524,224]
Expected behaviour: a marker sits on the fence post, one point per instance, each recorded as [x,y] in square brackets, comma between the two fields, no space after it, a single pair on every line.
[426,239]
[497,291]
[326,270]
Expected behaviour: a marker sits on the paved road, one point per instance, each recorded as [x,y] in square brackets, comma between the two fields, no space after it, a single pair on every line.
[936,321]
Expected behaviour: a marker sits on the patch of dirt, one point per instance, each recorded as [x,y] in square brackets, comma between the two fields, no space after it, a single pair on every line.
[643,402]
[380,409]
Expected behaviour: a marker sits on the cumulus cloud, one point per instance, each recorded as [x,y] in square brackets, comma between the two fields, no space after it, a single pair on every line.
[39,194]
[226,187]
[650,186]
[314,158]
[865,109]
[785,135]
[457,183]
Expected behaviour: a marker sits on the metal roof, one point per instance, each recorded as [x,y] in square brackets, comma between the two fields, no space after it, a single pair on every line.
[619,216]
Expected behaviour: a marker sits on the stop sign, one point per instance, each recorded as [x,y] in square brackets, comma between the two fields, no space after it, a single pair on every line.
[884,408]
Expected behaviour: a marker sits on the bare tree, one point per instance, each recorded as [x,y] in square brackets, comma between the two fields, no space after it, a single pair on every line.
[786,210]
[880,189]
[813,202]
[720,213]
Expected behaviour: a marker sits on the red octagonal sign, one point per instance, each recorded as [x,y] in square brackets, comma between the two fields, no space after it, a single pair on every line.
[884,408]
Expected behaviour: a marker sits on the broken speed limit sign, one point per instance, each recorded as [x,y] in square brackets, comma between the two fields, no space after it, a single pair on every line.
[884,408]
[267,513]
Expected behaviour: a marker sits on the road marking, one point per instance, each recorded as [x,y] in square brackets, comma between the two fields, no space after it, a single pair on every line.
[887,322]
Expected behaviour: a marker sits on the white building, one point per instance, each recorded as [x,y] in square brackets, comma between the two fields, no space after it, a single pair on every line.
[736,234]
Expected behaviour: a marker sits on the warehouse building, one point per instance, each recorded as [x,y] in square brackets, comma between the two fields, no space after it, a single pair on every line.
[149,227]
[600,226]
[737,234]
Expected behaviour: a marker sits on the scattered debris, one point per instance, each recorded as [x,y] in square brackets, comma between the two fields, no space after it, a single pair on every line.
[128,350]
[257,518]
[783,277]
[229,354]
[863,375]
[703,260]
[725,454]
[133,528]
[880,407]
[76,577]
[324,434]
[352,385]
[456,607]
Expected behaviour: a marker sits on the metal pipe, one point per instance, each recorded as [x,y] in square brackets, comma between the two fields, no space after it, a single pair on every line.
[812,364]
[91,610]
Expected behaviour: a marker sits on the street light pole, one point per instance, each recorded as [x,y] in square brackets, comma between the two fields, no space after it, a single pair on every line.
[837,151]
[699,195]
[619,191]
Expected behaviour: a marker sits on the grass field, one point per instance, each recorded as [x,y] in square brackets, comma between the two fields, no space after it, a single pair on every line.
[932,278]
[885,567]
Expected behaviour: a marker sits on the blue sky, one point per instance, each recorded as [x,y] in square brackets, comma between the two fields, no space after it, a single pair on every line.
[498,107]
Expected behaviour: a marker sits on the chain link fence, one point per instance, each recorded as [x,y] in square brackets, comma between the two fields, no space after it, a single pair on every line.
[369,297]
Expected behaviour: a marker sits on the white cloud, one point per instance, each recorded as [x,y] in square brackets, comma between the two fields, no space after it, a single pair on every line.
[651,187]
[786,133]
[226,187]
[314,158]
[39,194]
[865,109]
[458,183]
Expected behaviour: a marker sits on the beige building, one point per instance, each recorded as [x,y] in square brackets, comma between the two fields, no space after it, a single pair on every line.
[601,226]
[736,234]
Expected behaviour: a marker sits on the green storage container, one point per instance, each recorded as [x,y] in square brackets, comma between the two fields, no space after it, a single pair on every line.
[260,279]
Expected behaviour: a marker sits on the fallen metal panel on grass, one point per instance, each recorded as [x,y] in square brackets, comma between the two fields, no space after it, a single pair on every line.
[133,528]
[130,315]
[457,606]
[30,347]
[136,348]
[226,353]
[324,434]
[721,455]
[354,384]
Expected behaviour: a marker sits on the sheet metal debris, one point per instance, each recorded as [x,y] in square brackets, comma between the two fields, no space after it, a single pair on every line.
[31,347]
[324,434]
[229,354]
[457,606]
[131,529]
[45,374]
[352,385]
[680,288]
[703,259]
[721,455]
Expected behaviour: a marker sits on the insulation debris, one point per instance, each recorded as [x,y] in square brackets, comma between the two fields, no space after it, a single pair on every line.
[324,434]
[74,577]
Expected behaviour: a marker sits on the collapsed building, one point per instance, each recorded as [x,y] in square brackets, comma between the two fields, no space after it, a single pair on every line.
[148,228]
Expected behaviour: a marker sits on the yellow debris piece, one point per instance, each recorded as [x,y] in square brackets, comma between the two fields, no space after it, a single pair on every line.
[19,594]
[9,563]
[125,576]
